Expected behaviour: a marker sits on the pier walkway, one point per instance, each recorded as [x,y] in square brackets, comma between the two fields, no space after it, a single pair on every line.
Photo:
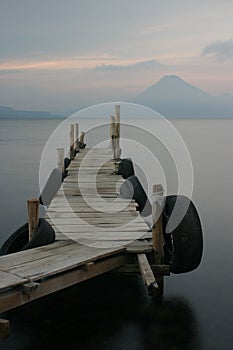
[96,230]
[89,241]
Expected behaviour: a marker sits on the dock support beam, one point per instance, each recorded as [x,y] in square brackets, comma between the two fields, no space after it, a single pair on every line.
[157,229]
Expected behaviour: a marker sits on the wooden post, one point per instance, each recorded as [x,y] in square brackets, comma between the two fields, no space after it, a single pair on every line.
[82,135]
[113,136]
[117,131]
[71,141]
[4,328]
[77,137]
[60,159]
[33,216]
[157,229]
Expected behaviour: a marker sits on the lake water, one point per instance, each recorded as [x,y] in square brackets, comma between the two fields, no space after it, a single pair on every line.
[114,312]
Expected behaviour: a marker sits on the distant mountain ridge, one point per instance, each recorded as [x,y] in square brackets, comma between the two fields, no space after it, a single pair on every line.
[8,112]
[171,96]
[174,97]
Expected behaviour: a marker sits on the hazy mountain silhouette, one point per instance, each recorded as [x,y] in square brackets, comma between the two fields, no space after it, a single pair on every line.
[8,112]
[174,97]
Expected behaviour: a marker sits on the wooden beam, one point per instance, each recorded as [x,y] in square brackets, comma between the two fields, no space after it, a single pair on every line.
[29,287]
[158,270]
[17,296]
[147,273]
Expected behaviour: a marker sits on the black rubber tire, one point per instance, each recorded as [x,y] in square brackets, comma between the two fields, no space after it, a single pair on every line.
[66,163]
[184,245]
[81,145]
[132,188]
[126,168]
[18,241]
[51,187]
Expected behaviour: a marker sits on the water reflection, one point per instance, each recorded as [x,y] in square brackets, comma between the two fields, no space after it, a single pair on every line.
[170,325]
[109,312]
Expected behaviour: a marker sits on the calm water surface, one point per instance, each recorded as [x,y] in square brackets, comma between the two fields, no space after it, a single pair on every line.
[112,311]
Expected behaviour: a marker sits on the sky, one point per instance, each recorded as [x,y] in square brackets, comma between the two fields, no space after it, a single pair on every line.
[59,55]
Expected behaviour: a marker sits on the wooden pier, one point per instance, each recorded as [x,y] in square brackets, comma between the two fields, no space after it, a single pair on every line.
[96,232]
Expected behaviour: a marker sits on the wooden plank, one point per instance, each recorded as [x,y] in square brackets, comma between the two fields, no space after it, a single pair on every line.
[119,218]
[104,236]
[91,228]
[9,279]
[73,214]
[89,210]
[138,247]
[59,263]
[97,207]
[26,256]
[146,272]
[88,225]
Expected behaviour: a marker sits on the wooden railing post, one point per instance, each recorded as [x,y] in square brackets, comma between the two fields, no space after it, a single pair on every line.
[157,229]
[113,136]
[33,216]
[77,137]
[71,141]
[81,139]
[60,159]
[117,131]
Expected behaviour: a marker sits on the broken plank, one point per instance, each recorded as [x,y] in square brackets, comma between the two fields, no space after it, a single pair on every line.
[146,272]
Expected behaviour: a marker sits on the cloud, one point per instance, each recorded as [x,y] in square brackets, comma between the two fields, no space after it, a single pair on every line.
[222,50]
[58,63]
[143,65]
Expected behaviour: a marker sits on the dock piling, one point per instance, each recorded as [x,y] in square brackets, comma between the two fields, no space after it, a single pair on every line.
[77,137]
[82,135]
[4,328]
[71,141]
[33,216]
[60,159]
[117,131]
[157,229]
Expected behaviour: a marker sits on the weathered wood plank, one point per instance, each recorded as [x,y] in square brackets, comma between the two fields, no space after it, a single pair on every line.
[23,257]
[10,279]
[92,228]
[51,265]
[146,272]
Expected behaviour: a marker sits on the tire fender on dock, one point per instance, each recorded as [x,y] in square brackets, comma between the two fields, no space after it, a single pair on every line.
[126,168]
[19,240]
[132,188]
[184,245]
